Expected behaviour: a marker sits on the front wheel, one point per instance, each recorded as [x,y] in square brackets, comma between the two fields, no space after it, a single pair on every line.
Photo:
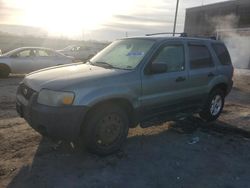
[4,72]
[105,129]
[213,106]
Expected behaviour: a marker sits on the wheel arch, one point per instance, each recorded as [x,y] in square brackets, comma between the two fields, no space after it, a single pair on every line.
[121,102]
[222,86]
[4,70]
[3,65]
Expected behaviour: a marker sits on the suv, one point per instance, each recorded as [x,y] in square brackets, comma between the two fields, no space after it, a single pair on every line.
[131,81]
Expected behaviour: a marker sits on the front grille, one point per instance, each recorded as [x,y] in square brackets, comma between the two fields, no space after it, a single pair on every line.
[25,91]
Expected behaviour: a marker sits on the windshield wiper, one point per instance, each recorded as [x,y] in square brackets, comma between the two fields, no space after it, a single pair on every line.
[106,65]
[103,64]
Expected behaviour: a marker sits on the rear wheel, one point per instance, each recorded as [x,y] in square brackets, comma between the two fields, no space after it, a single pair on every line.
[105,129]
[214,105]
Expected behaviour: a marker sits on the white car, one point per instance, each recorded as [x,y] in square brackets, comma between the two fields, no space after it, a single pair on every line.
[79,52]
[28,59]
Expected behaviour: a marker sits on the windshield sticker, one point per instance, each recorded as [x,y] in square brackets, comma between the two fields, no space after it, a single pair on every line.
[135,54]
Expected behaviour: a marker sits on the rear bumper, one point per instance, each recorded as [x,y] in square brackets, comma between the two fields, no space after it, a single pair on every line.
[55,122]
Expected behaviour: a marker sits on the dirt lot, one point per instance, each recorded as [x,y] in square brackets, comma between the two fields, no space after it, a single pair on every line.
[185,154]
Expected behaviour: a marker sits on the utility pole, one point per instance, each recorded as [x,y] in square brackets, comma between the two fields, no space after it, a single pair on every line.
[175,18]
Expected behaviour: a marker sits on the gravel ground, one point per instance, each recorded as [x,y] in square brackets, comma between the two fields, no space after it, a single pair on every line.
[184,154]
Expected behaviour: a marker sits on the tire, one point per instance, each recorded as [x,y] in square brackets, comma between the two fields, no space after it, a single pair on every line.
[213,106]
[105,129]
[4,71]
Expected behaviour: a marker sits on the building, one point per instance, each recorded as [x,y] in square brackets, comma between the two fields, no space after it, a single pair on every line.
[205,20]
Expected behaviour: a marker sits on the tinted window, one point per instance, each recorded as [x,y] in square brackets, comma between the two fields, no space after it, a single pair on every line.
[222,54]
[200,57]
[173,56]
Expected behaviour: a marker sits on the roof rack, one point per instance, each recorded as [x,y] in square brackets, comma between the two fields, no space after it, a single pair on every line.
[205,37]
[168,33]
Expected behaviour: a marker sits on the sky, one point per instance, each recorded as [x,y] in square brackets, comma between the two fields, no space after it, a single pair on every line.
[96,19]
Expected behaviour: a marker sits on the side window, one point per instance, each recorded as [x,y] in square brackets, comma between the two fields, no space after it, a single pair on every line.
[200,57]
[42,53]
[173,56]
[51,53]
[222,54]
[24,53]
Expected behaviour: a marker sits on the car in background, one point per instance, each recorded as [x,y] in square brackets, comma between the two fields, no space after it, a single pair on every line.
[82,53]
[27,59]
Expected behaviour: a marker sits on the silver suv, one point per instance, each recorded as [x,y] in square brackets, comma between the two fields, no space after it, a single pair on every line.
[129,82]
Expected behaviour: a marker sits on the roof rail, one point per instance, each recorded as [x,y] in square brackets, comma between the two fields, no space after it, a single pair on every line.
[168,33]
[204,37]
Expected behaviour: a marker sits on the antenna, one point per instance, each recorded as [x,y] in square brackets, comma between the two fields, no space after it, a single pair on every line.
[175,18]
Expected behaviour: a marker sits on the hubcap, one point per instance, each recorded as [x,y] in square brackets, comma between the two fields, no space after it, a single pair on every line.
[108,130]
[216,105]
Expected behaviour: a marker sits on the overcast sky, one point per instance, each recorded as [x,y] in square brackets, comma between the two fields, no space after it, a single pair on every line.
[98,20]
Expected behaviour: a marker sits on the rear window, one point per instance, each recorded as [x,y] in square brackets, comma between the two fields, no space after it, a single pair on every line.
[222,54]
[200,56]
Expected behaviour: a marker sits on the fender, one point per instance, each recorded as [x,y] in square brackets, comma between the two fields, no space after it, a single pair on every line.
[96,95]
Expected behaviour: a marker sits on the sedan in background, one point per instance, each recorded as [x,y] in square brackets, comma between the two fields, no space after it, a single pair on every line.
[27,59]
[81,53]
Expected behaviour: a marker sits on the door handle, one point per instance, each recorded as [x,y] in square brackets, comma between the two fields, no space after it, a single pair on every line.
[210,74]
[180,79]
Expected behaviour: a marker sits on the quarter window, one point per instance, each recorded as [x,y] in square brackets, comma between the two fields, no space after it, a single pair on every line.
[42,53]
[173,56]
[222,54]
[200,57]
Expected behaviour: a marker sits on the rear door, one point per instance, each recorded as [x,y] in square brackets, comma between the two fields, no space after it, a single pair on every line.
[201,69]
[46,58]
[42,59]
[166,91]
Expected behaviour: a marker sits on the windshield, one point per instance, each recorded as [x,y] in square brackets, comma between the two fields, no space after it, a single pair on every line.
[123,54]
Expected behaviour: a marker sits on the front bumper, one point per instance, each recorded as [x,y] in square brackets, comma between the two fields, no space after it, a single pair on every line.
[55,122]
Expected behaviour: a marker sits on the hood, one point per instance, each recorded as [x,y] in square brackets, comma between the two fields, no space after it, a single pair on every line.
[62,77]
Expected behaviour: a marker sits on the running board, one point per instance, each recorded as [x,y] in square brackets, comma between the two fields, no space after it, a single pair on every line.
[158,120]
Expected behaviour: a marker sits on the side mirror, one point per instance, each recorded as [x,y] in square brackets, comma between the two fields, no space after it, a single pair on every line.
[159,67]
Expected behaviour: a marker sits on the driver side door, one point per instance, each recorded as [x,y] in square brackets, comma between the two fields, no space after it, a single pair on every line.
[164,92]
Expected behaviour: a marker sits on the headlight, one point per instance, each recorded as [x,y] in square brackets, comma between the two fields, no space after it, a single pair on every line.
[55,98]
